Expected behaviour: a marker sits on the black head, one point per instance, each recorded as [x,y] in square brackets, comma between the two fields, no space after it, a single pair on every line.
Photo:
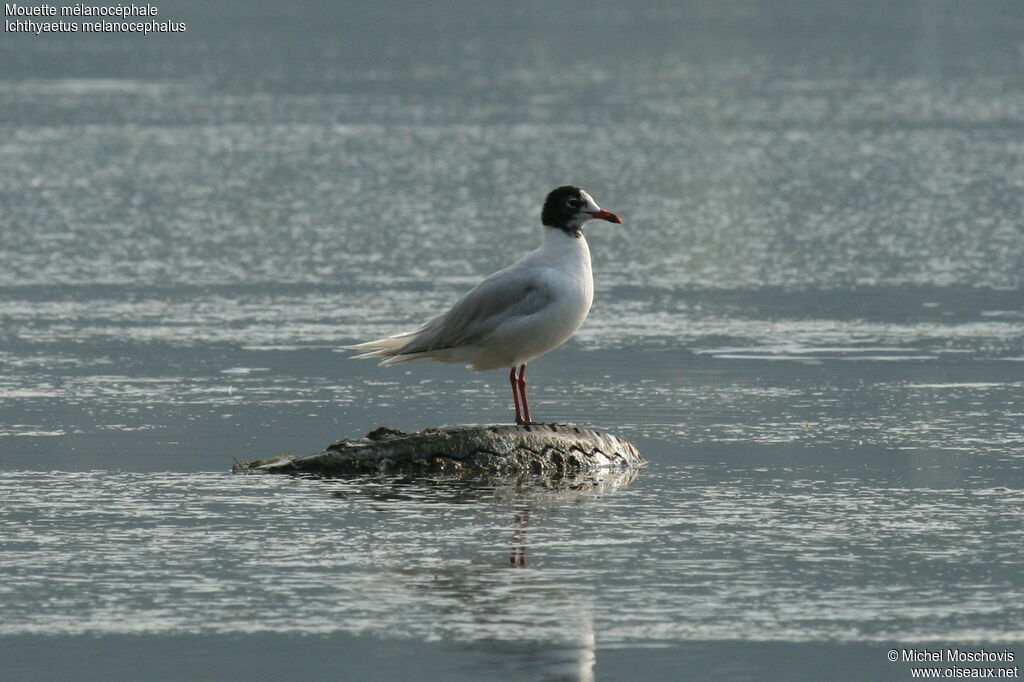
[568,208]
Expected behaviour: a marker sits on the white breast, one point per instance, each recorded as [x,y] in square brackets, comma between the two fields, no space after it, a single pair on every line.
[562,263]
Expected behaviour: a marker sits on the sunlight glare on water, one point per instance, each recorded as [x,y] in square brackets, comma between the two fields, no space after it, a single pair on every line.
[116,552]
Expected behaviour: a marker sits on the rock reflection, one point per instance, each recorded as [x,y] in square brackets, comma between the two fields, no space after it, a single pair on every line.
[554,489]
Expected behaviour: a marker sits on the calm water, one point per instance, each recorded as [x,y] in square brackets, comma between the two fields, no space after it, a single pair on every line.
[812,323]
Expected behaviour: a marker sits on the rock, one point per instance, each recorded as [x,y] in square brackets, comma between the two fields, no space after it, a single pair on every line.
[460,451]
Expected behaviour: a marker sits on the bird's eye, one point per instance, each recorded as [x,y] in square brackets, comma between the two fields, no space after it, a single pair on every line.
[574,203]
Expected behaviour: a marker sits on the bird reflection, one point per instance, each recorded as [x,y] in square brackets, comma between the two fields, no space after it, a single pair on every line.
[518,556]
[527,624]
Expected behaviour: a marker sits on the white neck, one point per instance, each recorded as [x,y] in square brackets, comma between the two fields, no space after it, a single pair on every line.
[565,249]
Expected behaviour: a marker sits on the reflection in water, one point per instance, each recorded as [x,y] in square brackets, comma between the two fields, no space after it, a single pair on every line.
[566,660]
[518,558]
[726,545]
[466,488]
[568,652]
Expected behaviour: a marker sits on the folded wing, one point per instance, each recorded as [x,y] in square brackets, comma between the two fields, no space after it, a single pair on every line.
[506,296]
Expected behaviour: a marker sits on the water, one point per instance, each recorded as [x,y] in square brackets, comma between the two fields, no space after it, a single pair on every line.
[811,324]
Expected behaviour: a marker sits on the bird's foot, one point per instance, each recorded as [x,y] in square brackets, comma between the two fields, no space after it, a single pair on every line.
[523,422]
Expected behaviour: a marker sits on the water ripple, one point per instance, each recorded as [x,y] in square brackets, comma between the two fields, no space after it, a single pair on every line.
[734,557]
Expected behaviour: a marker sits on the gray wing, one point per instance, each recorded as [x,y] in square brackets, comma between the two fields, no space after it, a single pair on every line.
[504,296]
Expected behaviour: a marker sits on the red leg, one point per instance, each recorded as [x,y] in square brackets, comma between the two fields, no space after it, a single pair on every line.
[522,391]
[515,394]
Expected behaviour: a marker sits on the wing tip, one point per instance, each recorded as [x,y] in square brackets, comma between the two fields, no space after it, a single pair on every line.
[379,347]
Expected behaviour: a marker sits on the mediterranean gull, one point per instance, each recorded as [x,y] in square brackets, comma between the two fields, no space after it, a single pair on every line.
[517,314]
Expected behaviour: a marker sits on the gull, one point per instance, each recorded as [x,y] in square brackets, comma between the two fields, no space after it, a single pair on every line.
[517,314]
